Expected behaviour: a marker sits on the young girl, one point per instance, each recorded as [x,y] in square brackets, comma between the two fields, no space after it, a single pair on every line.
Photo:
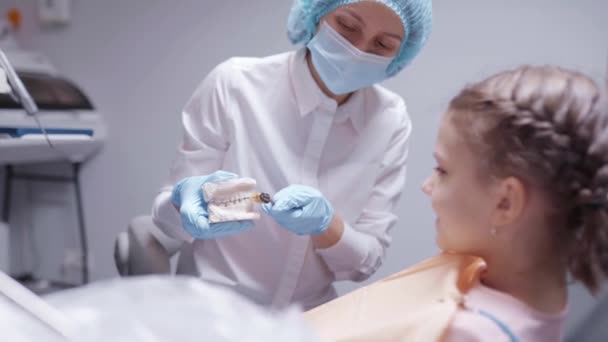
[521,182]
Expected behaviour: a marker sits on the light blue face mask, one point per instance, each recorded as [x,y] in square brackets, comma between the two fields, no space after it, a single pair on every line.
[342,67]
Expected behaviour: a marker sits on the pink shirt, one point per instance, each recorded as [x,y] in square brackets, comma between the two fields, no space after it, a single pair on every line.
[490,315]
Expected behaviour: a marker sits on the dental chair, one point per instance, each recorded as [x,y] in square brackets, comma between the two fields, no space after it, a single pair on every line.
[144,249]
[593,328]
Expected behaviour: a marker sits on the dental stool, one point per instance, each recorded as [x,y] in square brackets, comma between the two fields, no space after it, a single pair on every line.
[144,249]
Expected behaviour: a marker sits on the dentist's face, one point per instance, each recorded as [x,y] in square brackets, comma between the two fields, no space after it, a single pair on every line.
[370,26]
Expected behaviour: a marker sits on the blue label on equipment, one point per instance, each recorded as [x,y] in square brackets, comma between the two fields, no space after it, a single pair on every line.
[17,132]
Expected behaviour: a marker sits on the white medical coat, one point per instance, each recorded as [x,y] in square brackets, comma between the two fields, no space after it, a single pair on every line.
[267,119]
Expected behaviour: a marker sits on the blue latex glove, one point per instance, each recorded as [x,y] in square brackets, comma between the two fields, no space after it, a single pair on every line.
[301,209]
[188,197]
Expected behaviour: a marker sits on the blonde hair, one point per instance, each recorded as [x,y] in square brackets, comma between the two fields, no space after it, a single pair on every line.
[548,126]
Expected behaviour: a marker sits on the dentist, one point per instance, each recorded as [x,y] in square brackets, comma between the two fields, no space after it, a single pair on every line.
[313,127]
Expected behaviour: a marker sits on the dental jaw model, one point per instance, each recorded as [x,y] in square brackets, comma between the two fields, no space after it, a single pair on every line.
[233,200]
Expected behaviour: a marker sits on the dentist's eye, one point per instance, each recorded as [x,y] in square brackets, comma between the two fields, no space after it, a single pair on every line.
[384,45]
[347,25]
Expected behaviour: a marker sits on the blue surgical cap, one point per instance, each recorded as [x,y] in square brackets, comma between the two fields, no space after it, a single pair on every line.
[415,15]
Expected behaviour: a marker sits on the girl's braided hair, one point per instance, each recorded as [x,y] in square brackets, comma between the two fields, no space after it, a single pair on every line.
[548,126]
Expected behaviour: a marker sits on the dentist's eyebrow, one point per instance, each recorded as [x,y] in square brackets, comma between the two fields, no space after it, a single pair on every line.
[355,15]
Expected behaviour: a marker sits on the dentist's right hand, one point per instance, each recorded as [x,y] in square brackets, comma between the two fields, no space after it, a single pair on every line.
[301,209]
[188,198]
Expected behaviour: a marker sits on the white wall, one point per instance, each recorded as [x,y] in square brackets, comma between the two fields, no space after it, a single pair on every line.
[140,61]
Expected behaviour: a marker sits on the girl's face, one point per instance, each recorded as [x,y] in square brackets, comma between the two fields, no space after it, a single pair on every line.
[463,202]
[370,26]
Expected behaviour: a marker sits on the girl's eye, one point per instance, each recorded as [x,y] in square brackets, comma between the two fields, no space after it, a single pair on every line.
[440,171]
